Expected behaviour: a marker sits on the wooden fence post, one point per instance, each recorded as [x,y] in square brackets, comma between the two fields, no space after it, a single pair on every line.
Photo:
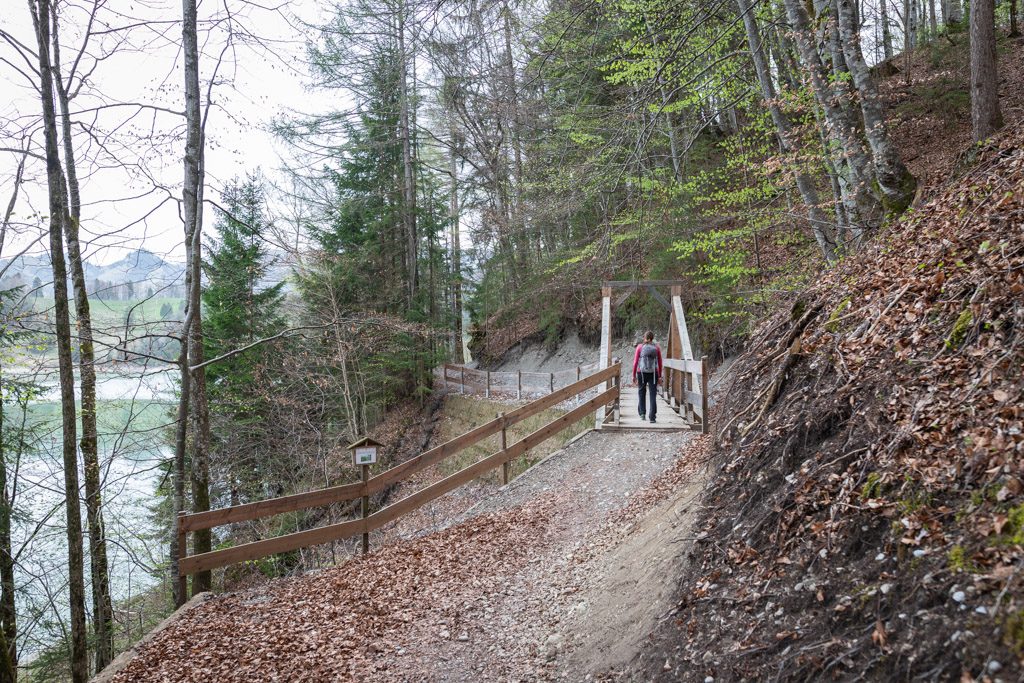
[551,383]
[705,426]
[687,386]
[506,467]
[519,385]
[617,383]
[605,358]
[487,388]
[366,508]
[463,380]
[182,553]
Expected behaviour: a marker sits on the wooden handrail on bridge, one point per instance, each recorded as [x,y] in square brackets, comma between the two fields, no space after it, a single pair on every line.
[238,513]
[681,378]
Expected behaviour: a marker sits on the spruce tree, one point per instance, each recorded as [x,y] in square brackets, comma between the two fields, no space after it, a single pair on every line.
[238,308]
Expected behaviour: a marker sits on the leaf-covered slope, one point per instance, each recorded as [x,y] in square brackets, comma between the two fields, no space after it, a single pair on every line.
[867,516]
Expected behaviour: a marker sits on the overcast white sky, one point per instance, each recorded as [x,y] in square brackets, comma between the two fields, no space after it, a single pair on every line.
[126,207]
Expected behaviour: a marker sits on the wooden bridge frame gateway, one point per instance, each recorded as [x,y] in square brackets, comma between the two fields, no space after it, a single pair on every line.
[684,382]
[191,564]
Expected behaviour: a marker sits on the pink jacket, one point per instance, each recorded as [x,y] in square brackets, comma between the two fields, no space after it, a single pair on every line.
[636,360]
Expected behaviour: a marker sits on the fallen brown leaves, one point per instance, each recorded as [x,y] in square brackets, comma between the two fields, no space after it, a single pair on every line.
[870,508]
[344,623]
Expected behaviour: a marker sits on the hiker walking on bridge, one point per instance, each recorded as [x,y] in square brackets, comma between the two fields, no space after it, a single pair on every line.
[646,373]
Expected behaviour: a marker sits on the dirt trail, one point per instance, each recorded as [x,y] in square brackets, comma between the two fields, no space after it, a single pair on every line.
[558,576]
[589,584]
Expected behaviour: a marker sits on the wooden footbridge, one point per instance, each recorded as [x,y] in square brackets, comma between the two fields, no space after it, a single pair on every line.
[683,390]
[586,391]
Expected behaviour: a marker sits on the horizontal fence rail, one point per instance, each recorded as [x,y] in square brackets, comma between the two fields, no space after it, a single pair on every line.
[685,386]
[190,564]
[519,383]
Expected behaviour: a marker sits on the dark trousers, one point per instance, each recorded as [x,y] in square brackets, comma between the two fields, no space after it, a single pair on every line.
[648,382]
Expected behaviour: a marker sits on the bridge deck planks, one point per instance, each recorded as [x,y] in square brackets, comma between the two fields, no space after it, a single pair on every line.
[668,420]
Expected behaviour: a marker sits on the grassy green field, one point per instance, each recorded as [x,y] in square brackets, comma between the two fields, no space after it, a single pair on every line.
[106,312]
[110,318]
[146,310]
[463,413]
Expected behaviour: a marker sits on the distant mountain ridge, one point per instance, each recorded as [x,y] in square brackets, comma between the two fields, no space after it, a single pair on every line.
[130,277]
[136,272]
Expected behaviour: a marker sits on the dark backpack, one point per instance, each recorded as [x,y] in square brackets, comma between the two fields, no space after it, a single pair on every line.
[648,358]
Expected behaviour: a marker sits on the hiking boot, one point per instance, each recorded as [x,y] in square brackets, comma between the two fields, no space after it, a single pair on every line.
[652,420]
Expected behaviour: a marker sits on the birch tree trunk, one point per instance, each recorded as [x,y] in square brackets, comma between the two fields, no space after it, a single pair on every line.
[62,318]
[865,212]
[103,610]
[986,118]
[819,221]
[895,182]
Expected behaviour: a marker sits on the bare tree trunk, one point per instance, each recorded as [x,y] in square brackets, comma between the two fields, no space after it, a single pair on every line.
[819,221]
[932,20]
[8,614]
[986,118]
[866,210]
[8,667]
[1014,25]
[178,582]
[62,315]
[103,610]
[952,12]
[883,9]
[409,179]
[453,211]
[673,145]
[910,24]
[516,138]
[895,182]
[192,339]
[200,429]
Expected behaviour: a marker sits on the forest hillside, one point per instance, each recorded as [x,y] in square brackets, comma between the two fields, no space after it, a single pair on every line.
[855,515]
[864,515]
[308,314]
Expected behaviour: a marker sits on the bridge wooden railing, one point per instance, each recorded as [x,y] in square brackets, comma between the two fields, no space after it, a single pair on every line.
[520,383]
[685,386]
[190,564]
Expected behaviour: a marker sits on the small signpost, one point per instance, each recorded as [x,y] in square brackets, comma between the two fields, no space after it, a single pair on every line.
[364,454]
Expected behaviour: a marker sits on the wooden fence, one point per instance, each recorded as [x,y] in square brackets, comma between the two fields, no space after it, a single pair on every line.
[463,380]
[190,564]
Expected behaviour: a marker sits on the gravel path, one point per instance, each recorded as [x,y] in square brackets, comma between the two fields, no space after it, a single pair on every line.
[525,626]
